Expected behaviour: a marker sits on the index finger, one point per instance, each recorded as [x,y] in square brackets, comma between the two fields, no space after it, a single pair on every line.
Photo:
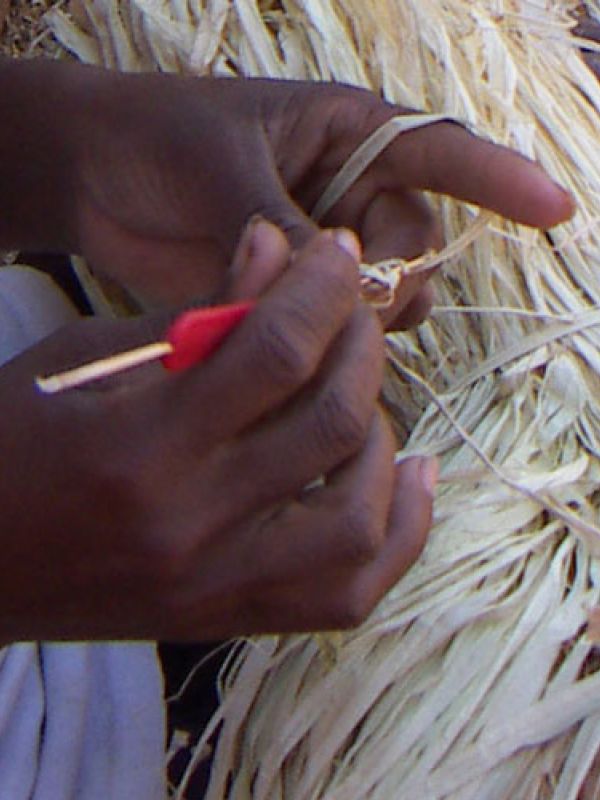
[447,159]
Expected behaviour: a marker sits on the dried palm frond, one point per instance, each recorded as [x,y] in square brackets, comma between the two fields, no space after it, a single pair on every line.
[24,32]
[475,679]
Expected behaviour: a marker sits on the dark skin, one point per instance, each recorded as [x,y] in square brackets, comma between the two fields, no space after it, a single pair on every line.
[588,28]
[176,507]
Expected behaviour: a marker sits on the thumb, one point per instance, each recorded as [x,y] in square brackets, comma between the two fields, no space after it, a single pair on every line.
[264,253]
[261,256]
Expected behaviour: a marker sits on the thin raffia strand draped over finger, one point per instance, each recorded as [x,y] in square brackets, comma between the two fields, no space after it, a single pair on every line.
[474,678]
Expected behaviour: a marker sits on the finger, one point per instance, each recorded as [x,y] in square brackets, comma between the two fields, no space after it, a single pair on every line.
[271,199]
[371,528]
[288,556]
[399,225]
[325,425]
[339,526]
[447,159]
[261,257]
[415,312]
[276,350]
[321,565]
[402,226]
[409,524]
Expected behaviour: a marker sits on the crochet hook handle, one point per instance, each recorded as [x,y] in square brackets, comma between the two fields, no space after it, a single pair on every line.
[191,339]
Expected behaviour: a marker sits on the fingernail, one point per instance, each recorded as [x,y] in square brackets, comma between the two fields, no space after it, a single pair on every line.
[349,242]
[248,231]
[430,470]
[253,226]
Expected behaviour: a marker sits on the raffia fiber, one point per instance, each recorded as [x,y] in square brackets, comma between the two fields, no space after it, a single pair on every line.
[24,32]
[476,678]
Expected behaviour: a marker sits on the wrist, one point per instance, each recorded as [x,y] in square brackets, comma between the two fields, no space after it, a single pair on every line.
[39,102]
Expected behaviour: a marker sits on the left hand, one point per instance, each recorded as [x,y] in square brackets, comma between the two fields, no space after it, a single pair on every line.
[172,169]
[164,173]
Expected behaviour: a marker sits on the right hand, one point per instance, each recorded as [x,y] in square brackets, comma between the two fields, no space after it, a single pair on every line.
[175,506]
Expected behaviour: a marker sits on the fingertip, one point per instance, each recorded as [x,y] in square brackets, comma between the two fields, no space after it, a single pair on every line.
[349,242]
[268,242]
[416,479]
[418,475]
[532,198]
[450,160]
[262,255]
[561,206]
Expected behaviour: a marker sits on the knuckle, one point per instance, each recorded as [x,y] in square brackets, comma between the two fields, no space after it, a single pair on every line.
[368,111]
[342,424]
[287,359]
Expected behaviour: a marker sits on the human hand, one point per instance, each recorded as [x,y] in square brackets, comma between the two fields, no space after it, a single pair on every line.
[175,506]
[171,169]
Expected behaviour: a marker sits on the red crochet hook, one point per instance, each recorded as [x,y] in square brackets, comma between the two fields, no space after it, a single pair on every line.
[192,338]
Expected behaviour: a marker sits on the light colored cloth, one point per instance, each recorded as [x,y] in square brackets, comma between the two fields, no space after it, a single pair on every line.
[77,721]
[31,308]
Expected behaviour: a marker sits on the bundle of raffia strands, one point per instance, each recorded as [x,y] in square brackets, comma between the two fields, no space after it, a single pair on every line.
[477,678]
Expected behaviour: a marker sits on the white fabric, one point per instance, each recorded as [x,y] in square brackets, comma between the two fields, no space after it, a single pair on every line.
[31,308]
[77,721]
